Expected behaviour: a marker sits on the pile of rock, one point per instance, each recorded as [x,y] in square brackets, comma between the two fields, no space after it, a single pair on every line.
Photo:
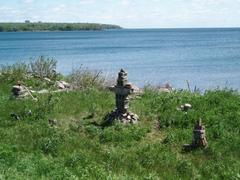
[126,118]
[19,91]
[122,90]
[199,137]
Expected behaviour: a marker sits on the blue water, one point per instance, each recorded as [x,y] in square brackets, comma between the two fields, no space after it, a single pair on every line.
[207,58]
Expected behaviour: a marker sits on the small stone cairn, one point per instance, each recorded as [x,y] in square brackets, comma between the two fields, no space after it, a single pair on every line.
[19,91]
[122,90]
[199,137]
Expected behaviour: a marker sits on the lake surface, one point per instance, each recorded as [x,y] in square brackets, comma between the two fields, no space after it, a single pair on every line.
[207,58]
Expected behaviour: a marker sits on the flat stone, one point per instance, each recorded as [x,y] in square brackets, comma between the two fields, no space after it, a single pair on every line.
[66,85]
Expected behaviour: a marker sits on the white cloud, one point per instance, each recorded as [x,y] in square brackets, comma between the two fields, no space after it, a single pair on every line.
[128,13]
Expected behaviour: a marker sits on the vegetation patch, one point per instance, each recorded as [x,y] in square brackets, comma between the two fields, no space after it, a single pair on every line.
[60,135]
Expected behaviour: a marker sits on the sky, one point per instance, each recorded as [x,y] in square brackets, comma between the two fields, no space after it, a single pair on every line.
[126,13]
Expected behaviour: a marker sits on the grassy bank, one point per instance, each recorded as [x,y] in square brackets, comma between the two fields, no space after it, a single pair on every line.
[77,148]
[15,27]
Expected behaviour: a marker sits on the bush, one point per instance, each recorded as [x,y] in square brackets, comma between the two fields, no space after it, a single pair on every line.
[15,72]
[85,78]
[43,67]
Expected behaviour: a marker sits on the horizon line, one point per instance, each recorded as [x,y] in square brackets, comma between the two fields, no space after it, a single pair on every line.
[196,27]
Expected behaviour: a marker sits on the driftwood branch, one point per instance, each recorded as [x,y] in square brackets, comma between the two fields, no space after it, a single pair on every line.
[29,92]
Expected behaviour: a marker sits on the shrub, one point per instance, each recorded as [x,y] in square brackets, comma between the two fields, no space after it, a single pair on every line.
[43,67]
[85,78]
[15,72]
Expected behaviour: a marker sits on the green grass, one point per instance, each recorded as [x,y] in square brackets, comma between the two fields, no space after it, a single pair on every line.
[14,27]
[77,148]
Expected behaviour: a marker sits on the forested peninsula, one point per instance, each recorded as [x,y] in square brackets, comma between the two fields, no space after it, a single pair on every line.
[40,26]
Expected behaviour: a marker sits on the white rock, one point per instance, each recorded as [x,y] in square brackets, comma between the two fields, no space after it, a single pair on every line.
[67,85]
[47,79]
[186,107]
[43,91]
[166,90]
[135,89]
[60,85]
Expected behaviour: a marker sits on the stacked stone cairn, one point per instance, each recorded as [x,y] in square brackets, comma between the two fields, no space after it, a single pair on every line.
[122,90]
[199,137]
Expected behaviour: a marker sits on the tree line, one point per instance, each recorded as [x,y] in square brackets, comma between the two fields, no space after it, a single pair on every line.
[39,26]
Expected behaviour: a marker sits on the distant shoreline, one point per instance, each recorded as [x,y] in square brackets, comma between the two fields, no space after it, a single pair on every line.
[54,27]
